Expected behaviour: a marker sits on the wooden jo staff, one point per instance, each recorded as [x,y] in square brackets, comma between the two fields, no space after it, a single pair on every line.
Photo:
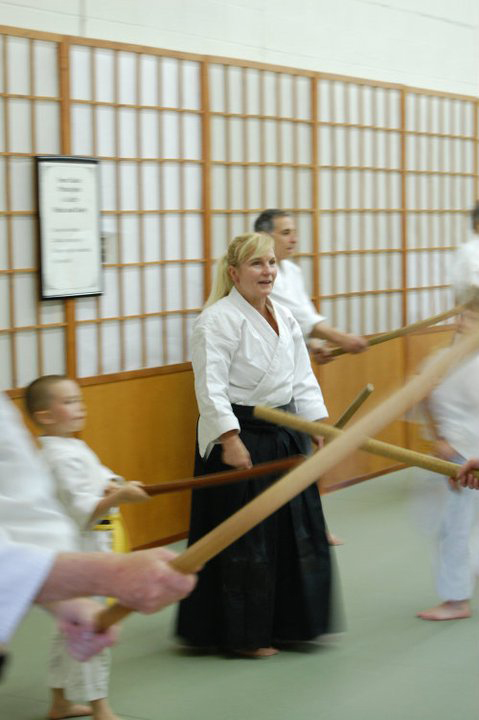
[354,407]
[310,470]
[223,478]
[376,447]
[383,337]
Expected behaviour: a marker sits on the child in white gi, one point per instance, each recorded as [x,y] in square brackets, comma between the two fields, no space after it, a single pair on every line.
[87,491]
[453,413]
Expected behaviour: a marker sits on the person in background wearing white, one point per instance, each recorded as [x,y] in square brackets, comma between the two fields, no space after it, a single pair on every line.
[289,289]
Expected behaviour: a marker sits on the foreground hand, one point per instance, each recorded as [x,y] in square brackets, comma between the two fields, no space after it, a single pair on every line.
[320,351]
[353,343]
[235,453]
[76,621]
[131,492]
[145,581]
[466,476]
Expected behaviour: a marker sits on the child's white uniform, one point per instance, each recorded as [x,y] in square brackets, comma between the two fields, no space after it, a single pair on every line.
[454,406]
[81,480]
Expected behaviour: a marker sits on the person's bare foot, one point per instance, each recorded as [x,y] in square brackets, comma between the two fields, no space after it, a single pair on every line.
[258,653]
[58,711]
[63,708]
[333,539]
[101,710]
[449,610]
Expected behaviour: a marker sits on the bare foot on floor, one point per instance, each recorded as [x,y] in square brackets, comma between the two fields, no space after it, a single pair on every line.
[449,610]
[68,709]
[258,653]
[333,539]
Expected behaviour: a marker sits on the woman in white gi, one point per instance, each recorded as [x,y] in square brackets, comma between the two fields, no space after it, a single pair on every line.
[274,584]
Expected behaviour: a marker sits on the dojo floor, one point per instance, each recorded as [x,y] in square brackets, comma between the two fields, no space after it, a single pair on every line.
[388,664]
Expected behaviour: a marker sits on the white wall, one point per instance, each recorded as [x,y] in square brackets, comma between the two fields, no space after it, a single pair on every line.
[424,43]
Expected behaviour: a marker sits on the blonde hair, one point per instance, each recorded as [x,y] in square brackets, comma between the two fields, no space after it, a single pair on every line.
[247,246]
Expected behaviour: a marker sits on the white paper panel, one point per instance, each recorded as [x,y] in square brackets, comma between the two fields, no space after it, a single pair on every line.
[193,226]
[109,301]
[151,238]
[194,286]
[253,175]
[25,293]
[131,291]
[52,311]
[128,185]
[235,180]
[81,124]
[80,72]
[192,186]
[286,95]
[4,302]
[133,351]
[148,80]
[271,187]
[218,187]
[154,342]
[20,129]
[4,261]
[127,132]
[169,82]
[151,186]
[269,92]
[236,144]
[287,187]
[172,275]
[252,91]
[85,308]
[108,185]
[110,342]
[23,242]
[45,68]
[53,351]
[254,150]
[304,228]
[104,75]
[152,281]
[130,239]
[6,379]
[191,85]
[172,237]
[86,343]
[216,88]
[270,141]
[127,90]
[234,95]
[218,138]
[171,186]
[106,131]
[174,348]
[18,65]
[170,137]
[305,196]
[303,98]
[219,232]
[47,127]
[27,365]
[149,133]
[2,135]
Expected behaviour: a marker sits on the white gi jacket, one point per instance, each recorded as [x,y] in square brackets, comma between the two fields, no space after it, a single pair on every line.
[29,510]
[23,570]
[238,358]
[454,405]
[465,269]
[289,290]
[80,483]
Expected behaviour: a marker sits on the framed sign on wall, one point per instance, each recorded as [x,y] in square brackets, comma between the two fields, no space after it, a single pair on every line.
[69,225]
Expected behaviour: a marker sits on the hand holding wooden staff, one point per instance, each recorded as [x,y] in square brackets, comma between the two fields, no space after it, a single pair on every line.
[309,471]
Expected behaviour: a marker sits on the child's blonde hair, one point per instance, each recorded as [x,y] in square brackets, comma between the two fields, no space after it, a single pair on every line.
[243,247]
[38,394]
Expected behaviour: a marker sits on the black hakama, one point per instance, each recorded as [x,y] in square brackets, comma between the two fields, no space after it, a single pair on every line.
[273,584]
